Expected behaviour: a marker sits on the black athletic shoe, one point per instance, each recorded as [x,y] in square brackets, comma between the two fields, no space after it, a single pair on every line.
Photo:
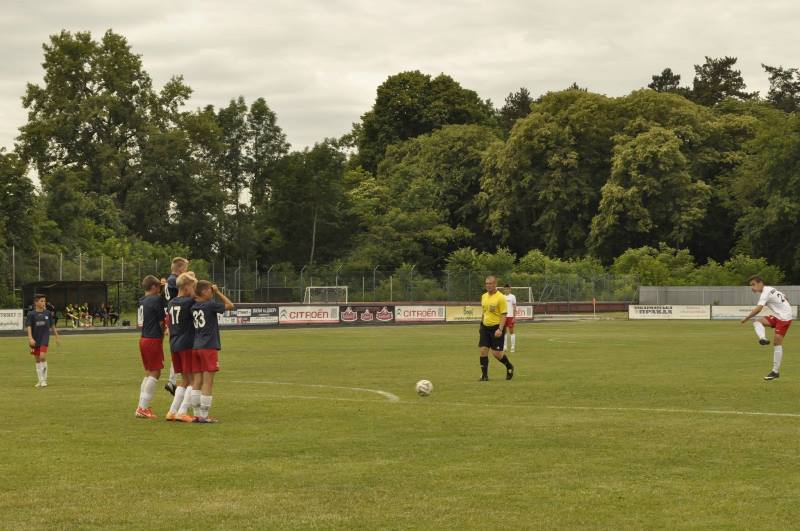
[484,379]
[170,387]
[510,373]
[764,341]
[772,376]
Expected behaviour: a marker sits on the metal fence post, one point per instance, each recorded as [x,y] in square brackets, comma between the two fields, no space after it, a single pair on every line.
[80,266]
[60,266]
[13,271]
[39,274]
[374,271]
[391,288]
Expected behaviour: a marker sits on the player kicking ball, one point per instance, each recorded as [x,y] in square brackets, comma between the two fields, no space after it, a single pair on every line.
[780,320]
[493,320]
[206,344]
[39,323]
[151,345]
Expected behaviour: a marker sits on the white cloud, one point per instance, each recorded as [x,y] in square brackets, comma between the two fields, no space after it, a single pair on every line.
[318,63]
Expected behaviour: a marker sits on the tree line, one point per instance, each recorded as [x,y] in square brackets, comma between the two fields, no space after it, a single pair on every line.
[429,174]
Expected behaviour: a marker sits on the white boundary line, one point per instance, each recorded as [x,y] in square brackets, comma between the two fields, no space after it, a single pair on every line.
[388,396]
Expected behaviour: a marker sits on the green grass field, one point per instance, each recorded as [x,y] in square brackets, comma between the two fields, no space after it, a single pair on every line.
[609,424]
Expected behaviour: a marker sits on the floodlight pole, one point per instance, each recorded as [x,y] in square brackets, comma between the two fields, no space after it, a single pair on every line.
[268,273]
[336,282]
[302,284]
[411,280]
[374,271]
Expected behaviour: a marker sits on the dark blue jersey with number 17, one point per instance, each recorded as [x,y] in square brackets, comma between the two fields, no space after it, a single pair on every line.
[206,326]
[181,324]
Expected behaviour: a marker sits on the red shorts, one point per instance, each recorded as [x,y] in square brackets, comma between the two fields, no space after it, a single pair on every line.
[152,351]
[182,361]
[205,360]
[509,321]
[781,327]
[38,351]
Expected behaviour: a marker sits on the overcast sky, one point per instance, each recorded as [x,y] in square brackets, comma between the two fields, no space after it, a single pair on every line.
[318,63]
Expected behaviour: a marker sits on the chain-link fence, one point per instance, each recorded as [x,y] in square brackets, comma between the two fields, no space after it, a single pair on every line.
[260,282]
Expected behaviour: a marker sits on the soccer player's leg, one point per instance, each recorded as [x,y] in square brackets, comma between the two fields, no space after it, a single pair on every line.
[177,365]
[781,327]
[188,375]
[497,351]
[197,384]
[511,335]
[759,325]
[484,342]
[153,361]
[210,359]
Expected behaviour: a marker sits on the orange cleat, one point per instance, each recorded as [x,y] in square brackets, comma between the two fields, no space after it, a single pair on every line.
[170,416]
[145,413]
[184,418]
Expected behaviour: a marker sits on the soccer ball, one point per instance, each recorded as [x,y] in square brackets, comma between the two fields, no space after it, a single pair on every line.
[424,387]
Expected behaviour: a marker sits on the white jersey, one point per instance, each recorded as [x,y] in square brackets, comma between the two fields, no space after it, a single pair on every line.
[511,302]
[776,302]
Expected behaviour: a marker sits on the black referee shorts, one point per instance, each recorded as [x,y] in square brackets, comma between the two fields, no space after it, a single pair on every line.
[487,338]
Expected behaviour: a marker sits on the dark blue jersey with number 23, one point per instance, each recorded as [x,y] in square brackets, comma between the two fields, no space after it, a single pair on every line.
[206,326]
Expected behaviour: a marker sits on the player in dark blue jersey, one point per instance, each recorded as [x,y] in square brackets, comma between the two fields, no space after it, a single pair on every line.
[151,321]
[39,322]
[181,344]
[206,343]
[179,266]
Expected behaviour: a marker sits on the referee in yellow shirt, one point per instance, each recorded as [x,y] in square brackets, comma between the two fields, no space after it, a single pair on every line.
[492,332]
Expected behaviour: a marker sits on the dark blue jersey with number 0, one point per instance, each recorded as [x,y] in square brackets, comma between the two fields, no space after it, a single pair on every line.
[171,289]
[206,326]
[151,315]
[181,324]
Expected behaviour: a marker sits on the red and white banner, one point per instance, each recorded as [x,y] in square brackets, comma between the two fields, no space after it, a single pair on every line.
[410,314]
[308,314]
[524,313]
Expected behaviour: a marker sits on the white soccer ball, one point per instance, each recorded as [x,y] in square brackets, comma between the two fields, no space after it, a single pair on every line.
[424,387]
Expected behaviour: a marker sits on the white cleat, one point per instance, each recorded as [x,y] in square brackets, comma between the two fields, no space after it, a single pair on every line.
[38,384]
[43,384]
[513,350]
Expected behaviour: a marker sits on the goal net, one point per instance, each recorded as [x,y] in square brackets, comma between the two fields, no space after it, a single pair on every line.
[315,294]
[523,293]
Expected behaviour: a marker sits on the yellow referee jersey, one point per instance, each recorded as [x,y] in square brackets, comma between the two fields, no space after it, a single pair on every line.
[494,306]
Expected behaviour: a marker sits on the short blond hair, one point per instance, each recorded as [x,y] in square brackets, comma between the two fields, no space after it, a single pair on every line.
[179,262]
[186,279]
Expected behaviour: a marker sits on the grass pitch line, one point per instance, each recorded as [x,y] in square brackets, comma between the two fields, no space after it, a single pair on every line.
[388,396]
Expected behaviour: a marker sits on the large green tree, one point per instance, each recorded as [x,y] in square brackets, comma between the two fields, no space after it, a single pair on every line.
[95,114]
[716,79]
[410,104]
[651,195]
[541,187]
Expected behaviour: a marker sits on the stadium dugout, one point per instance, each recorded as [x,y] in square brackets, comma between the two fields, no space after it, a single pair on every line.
[60,293]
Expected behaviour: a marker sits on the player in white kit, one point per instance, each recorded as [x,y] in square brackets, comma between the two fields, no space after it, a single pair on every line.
[780,320]
[511,303]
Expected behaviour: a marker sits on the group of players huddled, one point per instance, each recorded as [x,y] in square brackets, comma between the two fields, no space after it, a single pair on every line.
[188,308]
